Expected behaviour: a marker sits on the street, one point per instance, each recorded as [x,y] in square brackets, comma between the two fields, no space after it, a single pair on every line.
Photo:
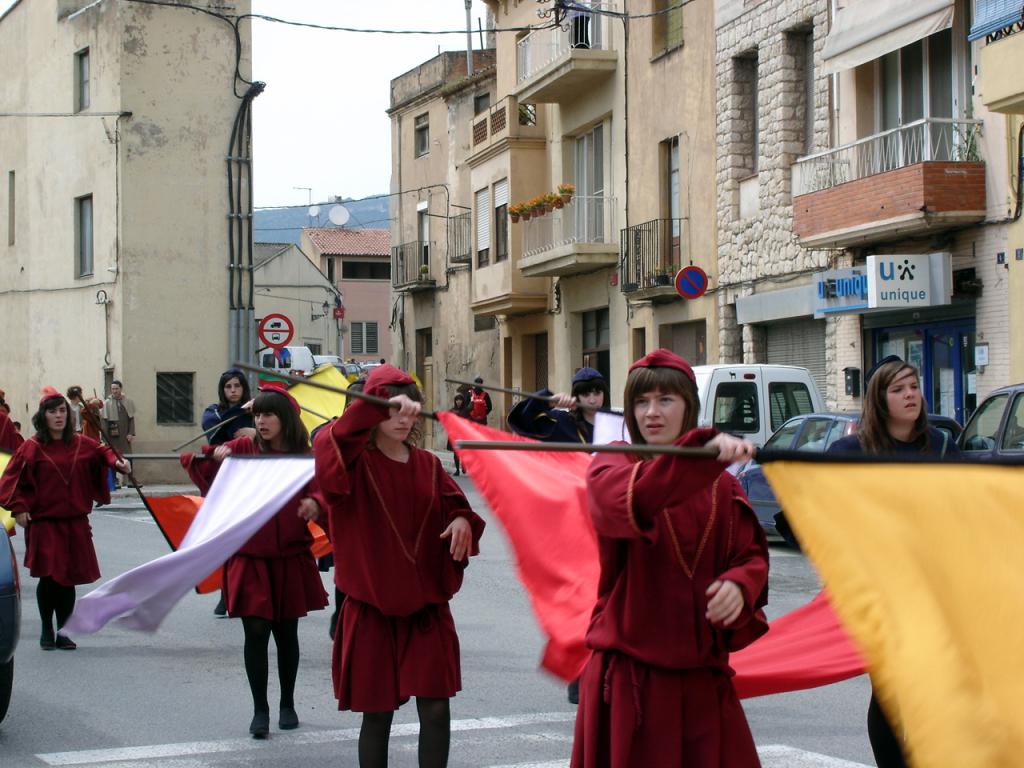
[179,698]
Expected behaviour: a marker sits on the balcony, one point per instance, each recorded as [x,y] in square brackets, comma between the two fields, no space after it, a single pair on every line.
[1000,85]
[410,267]
[652,254]
[560,64]
[460,239]
[923,177]
[577,238]
[505,121]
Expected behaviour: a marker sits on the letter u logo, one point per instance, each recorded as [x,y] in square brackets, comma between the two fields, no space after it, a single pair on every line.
[891,272]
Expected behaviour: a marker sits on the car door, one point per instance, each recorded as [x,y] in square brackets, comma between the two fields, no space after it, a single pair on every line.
[755,484]
[1011,442]
[981,435]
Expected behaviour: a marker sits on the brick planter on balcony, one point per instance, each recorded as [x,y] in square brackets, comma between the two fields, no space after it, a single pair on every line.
[919,198]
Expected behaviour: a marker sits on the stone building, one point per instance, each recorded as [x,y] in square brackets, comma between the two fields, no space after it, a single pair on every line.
[115,259]
[435,333]
[847,147]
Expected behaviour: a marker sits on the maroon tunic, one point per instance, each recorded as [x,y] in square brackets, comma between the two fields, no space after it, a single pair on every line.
[9,437]
[396,636]
[56,484]
[658,689]
[273,576]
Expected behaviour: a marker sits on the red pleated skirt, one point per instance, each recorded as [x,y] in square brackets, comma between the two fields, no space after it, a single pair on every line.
[632,715]
[61,548]
[380,661]
[273,588]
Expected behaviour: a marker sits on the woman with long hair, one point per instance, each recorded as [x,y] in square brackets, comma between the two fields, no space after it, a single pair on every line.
[49,487]
[229,410]
[403,533]
[894,422]
[567,417]
[684,575]
[272,581]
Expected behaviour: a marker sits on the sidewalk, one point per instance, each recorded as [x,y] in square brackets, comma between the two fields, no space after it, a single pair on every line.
[127,493]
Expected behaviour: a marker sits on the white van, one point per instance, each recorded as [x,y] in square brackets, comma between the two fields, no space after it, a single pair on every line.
[298,361]
[752,401]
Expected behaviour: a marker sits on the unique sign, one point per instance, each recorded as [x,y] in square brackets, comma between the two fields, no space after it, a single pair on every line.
[899,281]
[840,290]
[691,282]
[276,330]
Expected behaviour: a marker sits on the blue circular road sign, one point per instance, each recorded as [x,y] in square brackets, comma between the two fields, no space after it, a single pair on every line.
[691,282]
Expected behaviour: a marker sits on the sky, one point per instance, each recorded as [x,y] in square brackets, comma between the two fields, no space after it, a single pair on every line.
[321,121]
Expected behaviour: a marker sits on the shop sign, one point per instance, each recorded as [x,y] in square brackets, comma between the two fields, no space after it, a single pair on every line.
[898,281]
[840,290]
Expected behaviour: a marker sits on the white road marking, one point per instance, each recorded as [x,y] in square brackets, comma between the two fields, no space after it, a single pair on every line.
[144,520]
[782,756]
[133,755]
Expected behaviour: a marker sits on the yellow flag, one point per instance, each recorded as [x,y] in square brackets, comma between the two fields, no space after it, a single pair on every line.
[923,566]
[319,402]
[5,517]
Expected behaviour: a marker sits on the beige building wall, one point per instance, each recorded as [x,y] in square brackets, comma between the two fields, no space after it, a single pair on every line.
[156,174]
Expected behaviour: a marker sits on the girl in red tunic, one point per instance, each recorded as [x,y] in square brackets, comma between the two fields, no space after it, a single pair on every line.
[272,581]
[10,439]
[403,532]
[49,486]
[684,572]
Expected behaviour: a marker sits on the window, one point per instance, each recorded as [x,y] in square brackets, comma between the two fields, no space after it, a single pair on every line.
[588,208]
[83,236]
[980,433]
[174,398]
[501,221]
[786,400]
[483,227]
[82,80]
[314,347]
[331,261]
[735,407]
[365,270]
[596,341]
[671,154]
[668,26]
[481,102]
[783,438]
[484,323]
[812,439]
[364,338]
[10,208]
[421,126]
[799,45]
[1013,439]
[423,229]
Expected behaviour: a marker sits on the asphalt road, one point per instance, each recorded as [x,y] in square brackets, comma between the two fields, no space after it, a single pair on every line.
[179,698]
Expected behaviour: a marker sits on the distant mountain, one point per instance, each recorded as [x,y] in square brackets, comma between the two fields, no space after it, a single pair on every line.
[284,225]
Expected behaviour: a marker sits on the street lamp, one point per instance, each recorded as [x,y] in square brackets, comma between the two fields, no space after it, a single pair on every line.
[324,309]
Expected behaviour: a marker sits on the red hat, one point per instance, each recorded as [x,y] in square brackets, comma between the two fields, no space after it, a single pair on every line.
[386,376]
[663,358]
[281,389]
[48,393]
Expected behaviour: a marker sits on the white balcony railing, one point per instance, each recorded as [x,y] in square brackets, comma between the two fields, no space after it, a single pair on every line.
[582,220]
[580,30]
[931,138]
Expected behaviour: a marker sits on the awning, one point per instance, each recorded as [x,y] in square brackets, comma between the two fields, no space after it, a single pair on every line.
[868,29]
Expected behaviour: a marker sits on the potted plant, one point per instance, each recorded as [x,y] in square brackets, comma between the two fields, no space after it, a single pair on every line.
[424,271]
[662,277]
[555,201]
[525,211]
[514,212]
[538,205]
[566,191]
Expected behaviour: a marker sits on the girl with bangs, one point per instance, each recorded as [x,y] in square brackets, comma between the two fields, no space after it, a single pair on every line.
[568,417]
[403,533]
[684,575]
[894,422]
[272,581]
[49,488]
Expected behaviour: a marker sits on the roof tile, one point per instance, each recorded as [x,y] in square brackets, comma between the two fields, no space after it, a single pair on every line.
[337,241]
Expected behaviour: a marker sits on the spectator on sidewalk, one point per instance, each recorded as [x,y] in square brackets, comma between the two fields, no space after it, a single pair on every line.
[119,415]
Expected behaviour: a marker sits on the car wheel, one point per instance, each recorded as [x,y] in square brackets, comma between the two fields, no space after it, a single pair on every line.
[782,526]
[6,684]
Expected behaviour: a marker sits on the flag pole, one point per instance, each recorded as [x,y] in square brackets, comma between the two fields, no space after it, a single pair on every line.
[214,428]
[648,450]
[519,393]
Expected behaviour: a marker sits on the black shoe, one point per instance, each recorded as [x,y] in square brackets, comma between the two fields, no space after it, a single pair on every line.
[66,643]
[574,692]
[221,610]
[46,641]
[456,473]
[260,725]
[288,720]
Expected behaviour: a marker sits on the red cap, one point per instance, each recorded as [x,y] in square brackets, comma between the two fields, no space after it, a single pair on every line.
[281,389]
[386,375]
[663,358]
[48,393]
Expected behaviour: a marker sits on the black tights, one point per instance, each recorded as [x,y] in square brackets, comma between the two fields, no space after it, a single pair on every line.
[435,735]
[257,641]
[884,743]
[54,598]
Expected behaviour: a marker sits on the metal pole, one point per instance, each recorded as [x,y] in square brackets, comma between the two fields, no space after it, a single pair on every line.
[469,38]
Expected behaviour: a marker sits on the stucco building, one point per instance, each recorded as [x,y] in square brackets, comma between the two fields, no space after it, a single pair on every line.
[115,261]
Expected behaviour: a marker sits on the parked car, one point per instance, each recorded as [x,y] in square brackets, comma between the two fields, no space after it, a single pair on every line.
[996,428]
[10,621]
[813,432]
[752,401]
[294,360]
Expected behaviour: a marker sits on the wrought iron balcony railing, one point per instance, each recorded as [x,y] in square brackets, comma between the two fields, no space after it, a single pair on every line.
[410,263]
[930,138]
[651,253]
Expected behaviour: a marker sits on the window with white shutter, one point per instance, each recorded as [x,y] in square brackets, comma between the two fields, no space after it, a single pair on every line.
[501,220]
[483,228]
[357,339]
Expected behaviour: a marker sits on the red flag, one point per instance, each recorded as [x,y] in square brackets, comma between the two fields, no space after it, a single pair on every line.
[174,515]
[540,499]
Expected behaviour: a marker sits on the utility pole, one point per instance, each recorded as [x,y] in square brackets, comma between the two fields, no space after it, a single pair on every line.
[469,38]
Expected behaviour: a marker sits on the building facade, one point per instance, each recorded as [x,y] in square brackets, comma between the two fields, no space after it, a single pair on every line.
[845,157]
[106,272]
[356,263]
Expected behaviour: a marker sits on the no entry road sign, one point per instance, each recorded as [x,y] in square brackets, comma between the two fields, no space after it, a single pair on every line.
[276,330]
[691,282]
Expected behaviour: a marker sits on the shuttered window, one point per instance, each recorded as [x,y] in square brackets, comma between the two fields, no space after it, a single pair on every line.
[501,220]
[364,338]
[801,342]
[483,228]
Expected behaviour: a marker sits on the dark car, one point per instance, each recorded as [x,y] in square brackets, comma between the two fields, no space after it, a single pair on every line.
[10,621]
[996,429]
[813,432]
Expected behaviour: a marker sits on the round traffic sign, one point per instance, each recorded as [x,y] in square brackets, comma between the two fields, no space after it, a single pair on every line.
[276,330]
[691,282]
